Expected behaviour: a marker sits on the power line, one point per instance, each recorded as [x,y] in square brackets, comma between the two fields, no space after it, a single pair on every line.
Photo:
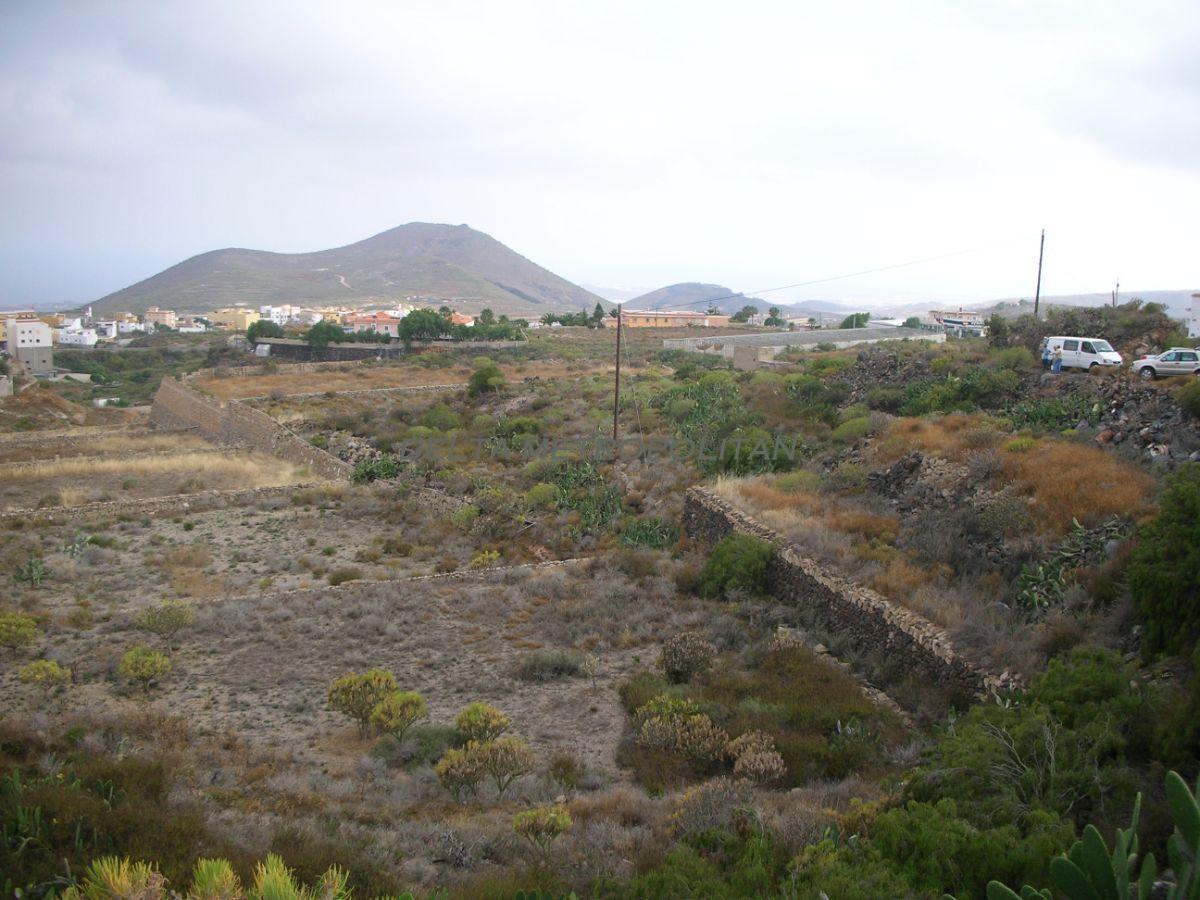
[785,287]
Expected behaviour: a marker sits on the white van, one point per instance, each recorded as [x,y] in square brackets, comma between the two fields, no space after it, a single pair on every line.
[1081,352]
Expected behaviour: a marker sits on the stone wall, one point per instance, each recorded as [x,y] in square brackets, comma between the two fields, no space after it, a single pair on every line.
[237,425]
[875,624]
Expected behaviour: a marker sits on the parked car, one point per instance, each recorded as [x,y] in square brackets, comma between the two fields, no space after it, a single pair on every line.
[1082,352]
[1176,361]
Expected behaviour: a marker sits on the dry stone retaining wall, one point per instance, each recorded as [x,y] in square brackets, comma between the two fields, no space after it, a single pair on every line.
[237,425]
[924,649]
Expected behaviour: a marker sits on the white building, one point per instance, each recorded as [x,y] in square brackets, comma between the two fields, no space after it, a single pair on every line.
[23,333]
[78,337]
[106,329]
[1194,318]
[129,326]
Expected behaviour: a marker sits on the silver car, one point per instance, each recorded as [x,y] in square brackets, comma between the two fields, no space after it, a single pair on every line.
[1176,361]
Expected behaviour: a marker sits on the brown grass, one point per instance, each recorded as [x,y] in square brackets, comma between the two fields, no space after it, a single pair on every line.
[953,437]
[1067,481]
[248,470]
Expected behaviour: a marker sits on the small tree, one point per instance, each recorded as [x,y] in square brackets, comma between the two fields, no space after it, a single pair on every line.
[397,712]
[481,722]
[543,825]
[505,759]
[856,320]
[460,771]
[487,378]
[912,322]
[143,665]
[17,630]
[263,328]
[745,314]
[323,333]
[357,695]
[685,656]
[166,619]
[997,331]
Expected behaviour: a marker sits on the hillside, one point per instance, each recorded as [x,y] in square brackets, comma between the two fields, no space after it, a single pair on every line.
[441,261]
[693,294]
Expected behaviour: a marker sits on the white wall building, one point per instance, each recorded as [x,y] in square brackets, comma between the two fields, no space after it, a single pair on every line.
[78,337]
[28,333]
[129,326]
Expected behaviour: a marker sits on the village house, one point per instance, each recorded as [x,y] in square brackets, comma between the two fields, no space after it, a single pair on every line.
[234,318]
[666,319]
[155,316]
[378,322]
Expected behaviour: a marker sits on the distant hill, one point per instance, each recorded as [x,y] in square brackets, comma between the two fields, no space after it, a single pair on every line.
[694,295]
[437,261]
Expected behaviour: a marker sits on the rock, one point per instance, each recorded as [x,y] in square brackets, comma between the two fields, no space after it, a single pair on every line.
[1105,436]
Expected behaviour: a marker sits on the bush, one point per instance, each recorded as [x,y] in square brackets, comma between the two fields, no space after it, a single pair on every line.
[543,825]
[737,563]
[341,576]
[357,695]
[166,619]
[1189,398]
[685,656]
[397,712]
[1020,445]
[885,399]
[852,430]
[384,468]
[649,531]
[33,571]
[487,378]
[541,496]
[1014,358]
[460,771]
[481,722]
[504,760]
[549,665]
[17,630]
[44,672]
[1164,570]
[143,665]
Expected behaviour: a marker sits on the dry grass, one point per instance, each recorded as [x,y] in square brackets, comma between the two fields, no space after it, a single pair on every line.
[953,437]
[378,377]
[101,444]
[1067,481]
[247,470]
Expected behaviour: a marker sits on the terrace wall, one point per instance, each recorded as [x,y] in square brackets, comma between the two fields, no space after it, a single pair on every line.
[236,425]
[918,645]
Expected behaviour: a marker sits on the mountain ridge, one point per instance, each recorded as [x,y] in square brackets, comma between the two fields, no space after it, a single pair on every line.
[445,262]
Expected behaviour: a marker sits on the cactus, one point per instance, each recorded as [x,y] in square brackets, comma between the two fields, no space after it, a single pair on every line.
[1088,871]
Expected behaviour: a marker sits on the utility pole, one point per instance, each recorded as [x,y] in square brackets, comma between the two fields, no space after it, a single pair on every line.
[1037,297]
[617,385]
[1116,293]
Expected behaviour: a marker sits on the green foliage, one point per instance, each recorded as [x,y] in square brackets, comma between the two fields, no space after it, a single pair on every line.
[912,322]
[368,470]
[549,665]
[737,563]
[582,488]
[856,320]
[852,871]
[1049,414]
[1044,584]
[1164,570]
[263,328]
[649,531]
[542,495]
[1015,358]
[424,325]
[1021,444]
[480,721]
[143,665]
[397,712]
[1189,398]
[486,379]
[887,399]
[744,314]
[710,415]
[166,619]
[32,572]
[357,695]
[543,825]
[324,333]
[503,760]
[997,330]
[852,430]
[441,417]
[460,771]
[44,672]
[17,630]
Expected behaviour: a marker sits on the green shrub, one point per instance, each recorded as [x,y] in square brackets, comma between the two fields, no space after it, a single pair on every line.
[543,825]
[737,563]
[397,712]
[802,480]
[487,378]
[1164,570]
[885,398]
[1020,445]
[852,430]
[481,722]
[17,630]
[1189,398]
[357,695]
[649,531]
[143,665]
[385,467]
[684,656]
[44,672]
[441,417]
[1014,358]
[541,496]
[341,576]
[166,619]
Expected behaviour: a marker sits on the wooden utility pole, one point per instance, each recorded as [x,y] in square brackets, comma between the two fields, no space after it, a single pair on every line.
[617,385]
[1037,297]
[1116,293]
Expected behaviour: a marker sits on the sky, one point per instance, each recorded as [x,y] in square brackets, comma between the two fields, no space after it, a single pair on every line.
[619,144]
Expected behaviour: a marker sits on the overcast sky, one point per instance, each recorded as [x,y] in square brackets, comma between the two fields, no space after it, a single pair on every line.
[619,144]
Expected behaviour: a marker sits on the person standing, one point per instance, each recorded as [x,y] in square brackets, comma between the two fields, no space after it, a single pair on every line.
[1056,360]
[1045,354]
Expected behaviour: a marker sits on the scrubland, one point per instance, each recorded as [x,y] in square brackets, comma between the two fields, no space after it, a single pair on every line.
[298,675]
